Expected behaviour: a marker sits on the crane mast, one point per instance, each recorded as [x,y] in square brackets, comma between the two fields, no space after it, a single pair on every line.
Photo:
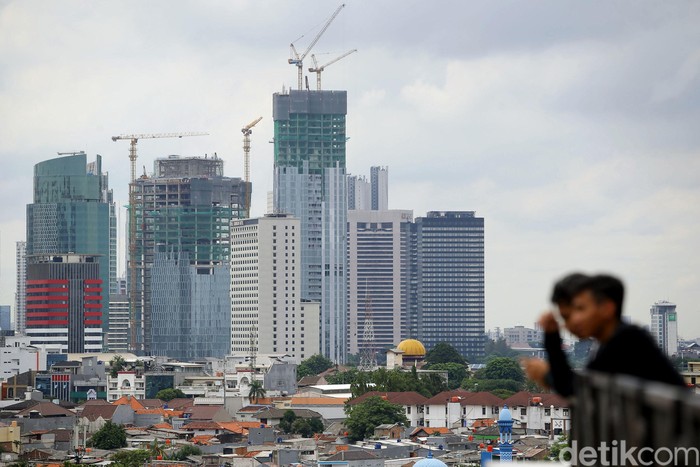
[299,59]
[247,131]
[133,139]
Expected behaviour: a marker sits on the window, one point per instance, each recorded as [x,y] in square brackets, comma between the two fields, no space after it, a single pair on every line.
[547,412]
[483,410]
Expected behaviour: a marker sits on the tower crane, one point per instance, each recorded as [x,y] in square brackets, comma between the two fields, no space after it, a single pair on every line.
[132,219]
[299,59]
[247,131]
[318,69]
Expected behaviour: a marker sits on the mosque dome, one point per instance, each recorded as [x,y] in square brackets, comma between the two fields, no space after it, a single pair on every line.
[505,415]
[412,348]
[429,461]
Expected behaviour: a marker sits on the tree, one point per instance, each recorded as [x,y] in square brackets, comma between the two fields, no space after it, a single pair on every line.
[287,420]
[364,417]
[444,353]
[502,368]
[169,394]
[135,458]
[256,391]
[110,436]
[306,427]
[186,451]
[455,373]
[498,348]
[116,365]
[313,365]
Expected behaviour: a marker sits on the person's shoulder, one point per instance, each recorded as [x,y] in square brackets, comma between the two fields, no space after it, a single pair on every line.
[629,331]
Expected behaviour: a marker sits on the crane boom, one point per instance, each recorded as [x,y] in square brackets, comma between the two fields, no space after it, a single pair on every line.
[318,69]
[299,59]
[132,266]
[247,131]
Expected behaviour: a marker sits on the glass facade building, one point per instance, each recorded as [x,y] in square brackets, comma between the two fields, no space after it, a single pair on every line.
[310,184]
[71,214]
[446,281]
[187,210]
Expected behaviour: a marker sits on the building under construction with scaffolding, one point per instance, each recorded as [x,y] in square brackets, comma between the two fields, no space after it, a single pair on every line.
[182,216]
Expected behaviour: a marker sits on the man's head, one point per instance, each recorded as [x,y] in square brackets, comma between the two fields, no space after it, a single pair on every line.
[596,307]
[564,291]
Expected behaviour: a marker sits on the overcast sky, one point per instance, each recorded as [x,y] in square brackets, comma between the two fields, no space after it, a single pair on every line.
[573,128]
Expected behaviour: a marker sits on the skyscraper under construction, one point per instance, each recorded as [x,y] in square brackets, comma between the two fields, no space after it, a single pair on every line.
[179,254]
[310,183]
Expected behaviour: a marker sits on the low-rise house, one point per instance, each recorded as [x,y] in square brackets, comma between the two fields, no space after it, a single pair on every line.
[96,414]
[10,437]
[389,430]
[352,458]
[214,413]
[330,408]
[460,408]
[273,416]
[538,413]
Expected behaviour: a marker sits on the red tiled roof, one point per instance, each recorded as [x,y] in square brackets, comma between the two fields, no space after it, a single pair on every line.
[430,430]
[131,401]
[523,398]
[317,401]
[47,409]
[400,398]
[201,425]
[163,426]
[482,398]
[152,403]
[240,428]
[443,397]
[201,439]
[180,403]
[93,412]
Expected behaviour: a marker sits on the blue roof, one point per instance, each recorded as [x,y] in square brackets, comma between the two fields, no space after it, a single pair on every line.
[505,415]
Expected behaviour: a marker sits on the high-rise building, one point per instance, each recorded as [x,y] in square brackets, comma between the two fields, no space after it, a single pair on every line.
[379,179]
[118,336]
[446,285]
[266,307]
[184,211]
[359,193]
[64,302]
[664,326]
[377,273]
[21,290]
[310,183]
[5,318]
[70,215]
[190,311]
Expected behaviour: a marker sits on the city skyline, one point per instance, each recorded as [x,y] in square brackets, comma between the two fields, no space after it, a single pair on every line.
[574,139]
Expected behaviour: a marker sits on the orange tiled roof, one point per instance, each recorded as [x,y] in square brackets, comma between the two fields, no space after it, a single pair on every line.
[250,454]
[132,401]
[483,422]
[430,430]
[201,439]
[163,426]
[239,427]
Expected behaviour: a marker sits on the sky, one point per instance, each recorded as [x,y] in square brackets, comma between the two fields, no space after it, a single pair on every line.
[571,127]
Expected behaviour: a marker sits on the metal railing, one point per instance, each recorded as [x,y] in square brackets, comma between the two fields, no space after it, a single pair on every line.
[612,409]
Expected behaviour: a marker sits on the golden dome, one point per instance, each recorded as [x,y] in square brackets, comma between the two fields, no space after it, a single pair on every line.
[411,348]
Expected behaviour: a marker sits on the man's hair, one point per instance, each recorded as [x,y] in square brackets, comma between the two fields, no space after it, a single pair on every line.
[606,287]
[568,286]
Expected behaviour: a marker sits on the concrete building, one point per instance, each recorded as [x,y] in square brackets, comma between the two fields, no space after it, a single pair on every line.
[19,359]
[64,302]
[446,281]
[664,326]
[71,213]
[310,183]
[379,179]
[520,336]
[19,321]
[118,336]
[377,273]
[5,318]
[187,207]
[359,193]
[267,313]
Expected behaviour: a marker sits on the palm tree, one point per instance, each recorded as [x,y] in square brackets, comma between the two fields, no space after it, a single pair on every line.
[256,391]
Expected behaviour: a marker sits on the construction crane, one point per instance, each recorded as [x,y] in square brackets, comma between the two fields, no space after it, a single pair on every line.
[247,131]
[299,59]
[318,69]
[132,219]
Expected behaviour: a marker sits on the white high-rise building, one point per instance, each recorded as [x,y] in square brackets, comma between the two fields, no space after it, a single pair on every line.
[267,312]
[377,275]
[379,179]
[20,319]
[359,193]
[664,326]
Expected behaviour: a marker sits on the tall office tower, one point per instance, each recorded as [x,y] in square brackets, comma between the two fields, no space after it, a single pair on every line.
[664,326]
[71,215]
[108,197]
[186,208]
[21,290]
[266,308]
[359,193]
[377,253]
[118,336]
[5,318]
[191,311]
[379,179]
[64,302]
[446,287]
[310,183]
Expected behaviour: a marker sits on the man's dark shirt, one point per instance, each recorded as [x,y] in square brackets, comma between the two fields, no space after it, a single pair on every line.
[630,351]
